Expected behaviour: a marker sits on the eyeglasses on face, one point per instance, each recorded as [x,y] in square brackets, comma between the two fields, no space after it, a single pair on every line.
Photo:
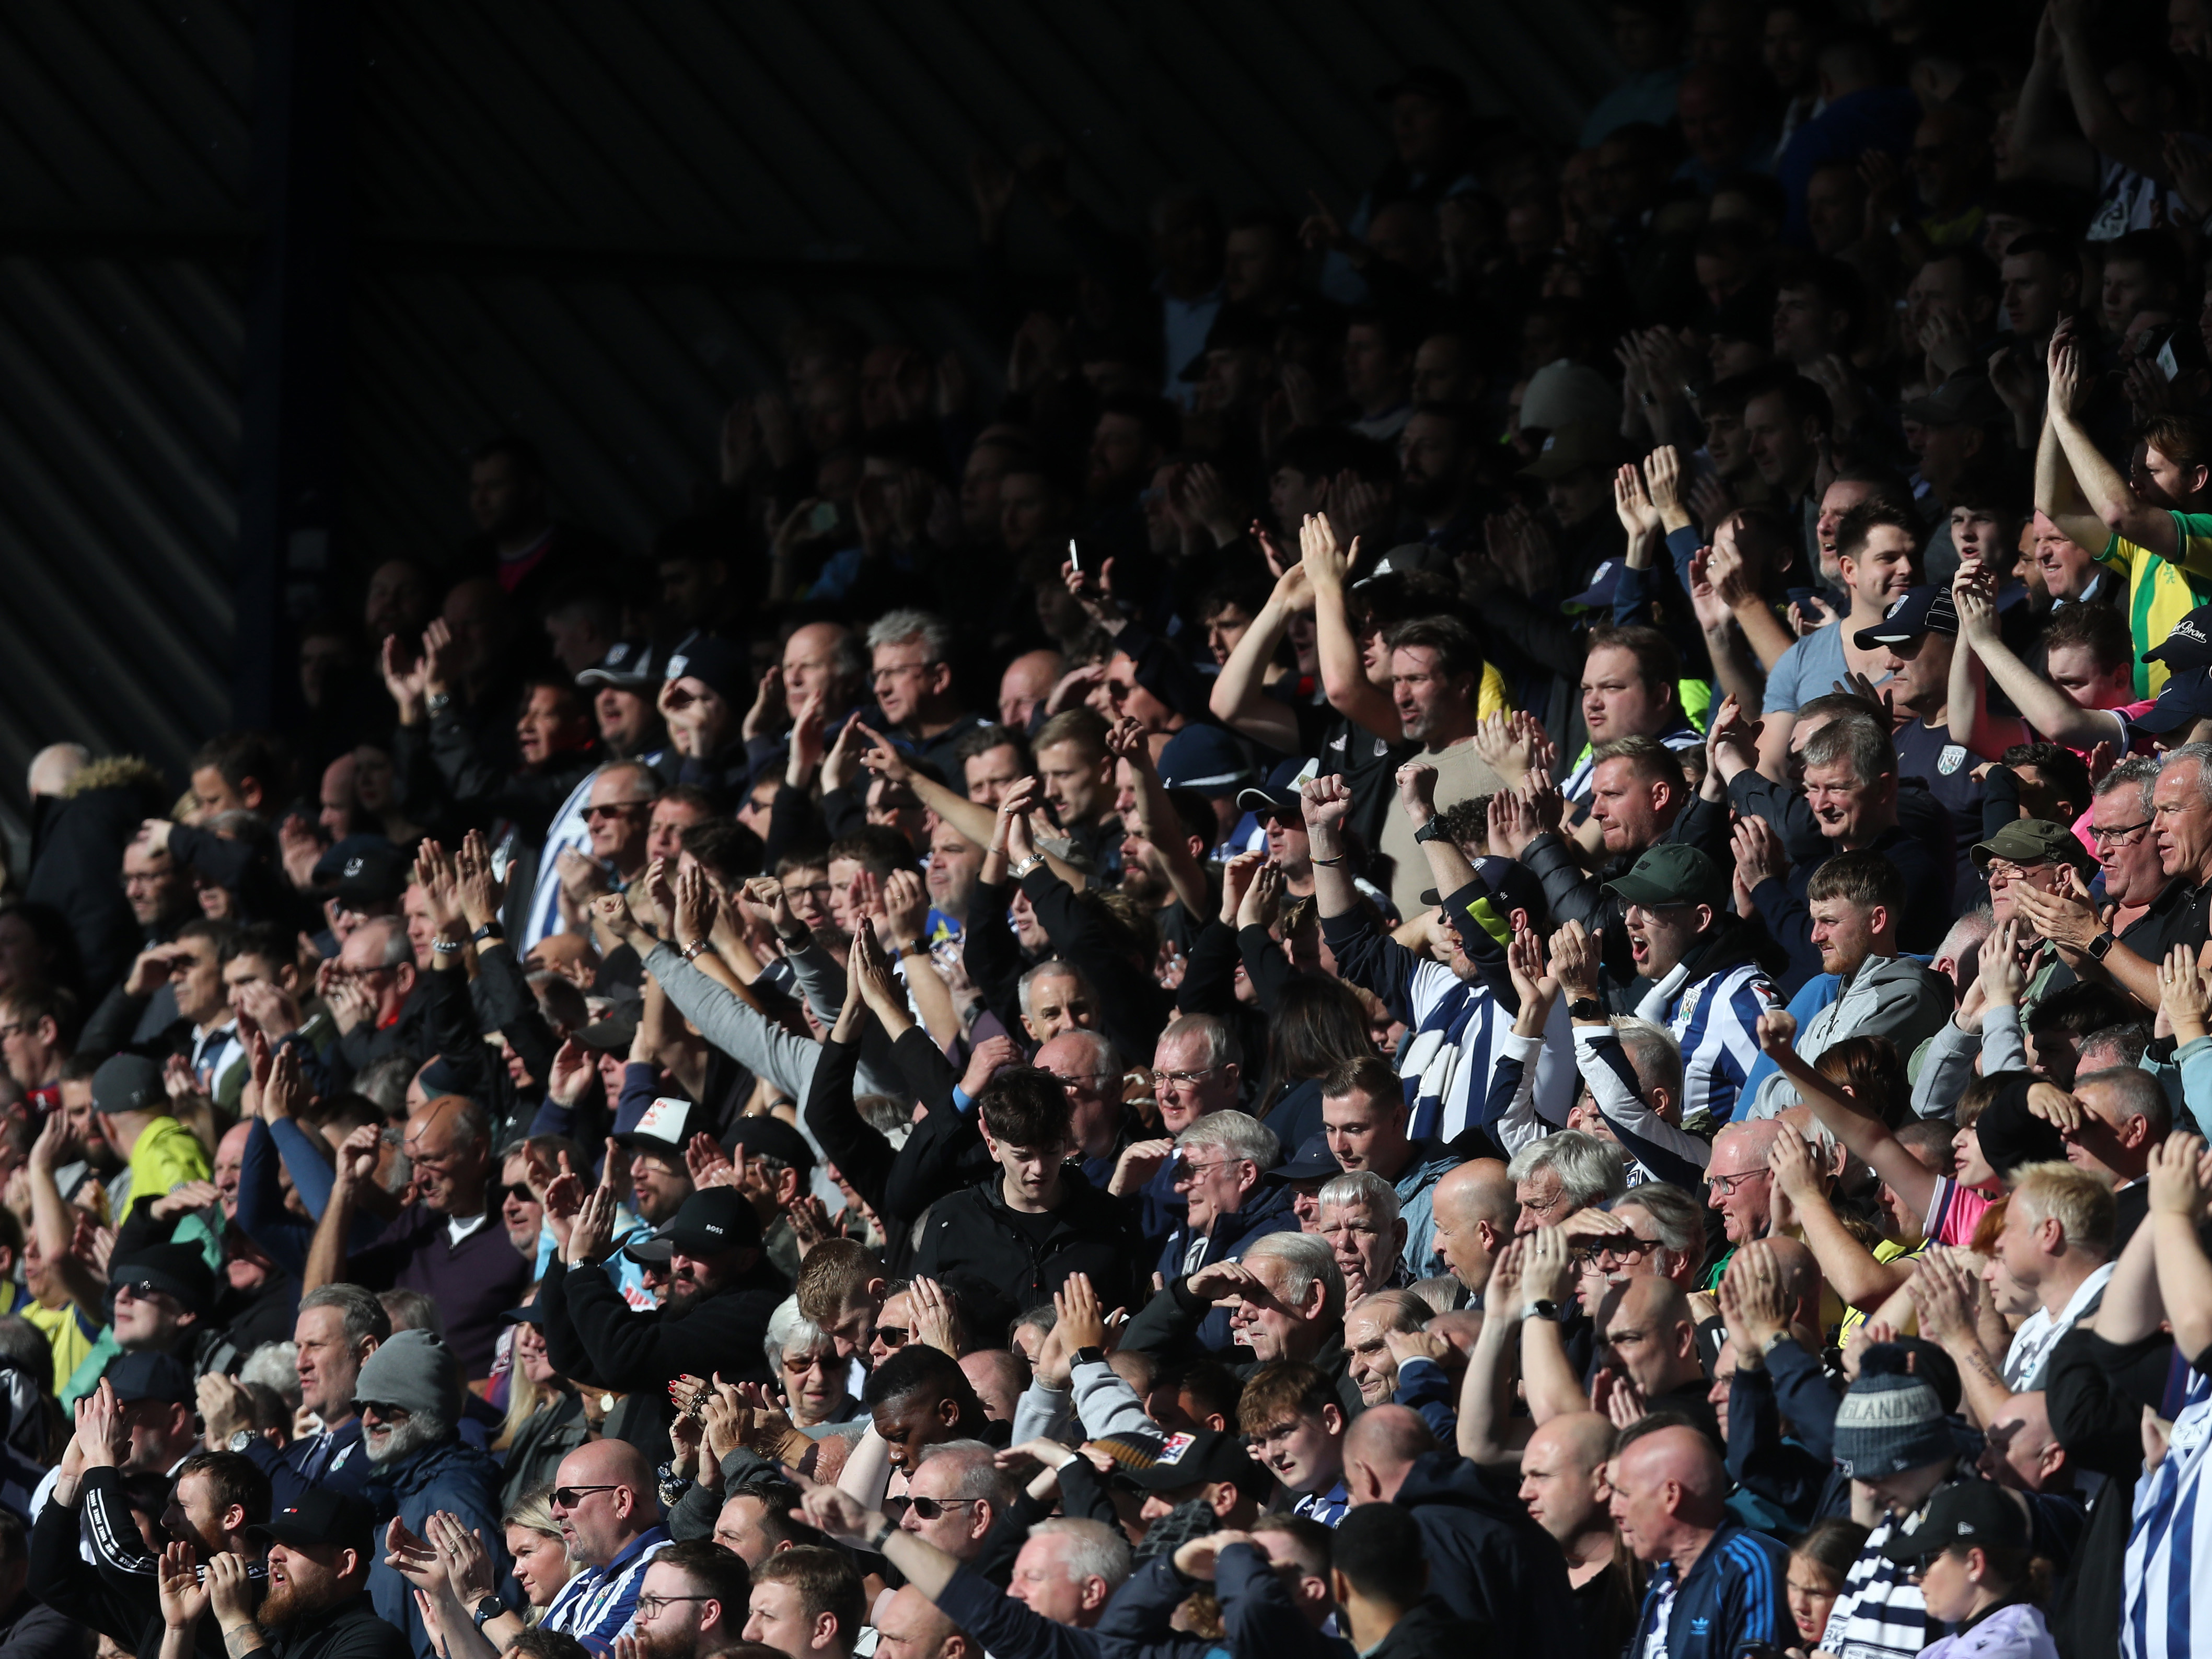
[612,810]
[893,1336]
[384,1414]
[1184,1080]
[1727,1185]
[1621,1249]
[140,1290]
[567,1498]
[2119,835]
[650,1607]
[521,1193]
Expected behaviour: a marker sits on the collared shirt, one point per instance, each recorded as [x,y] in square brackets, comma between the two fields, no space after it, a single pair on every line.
[600,1603]
[1326,1507]
[2039,1332]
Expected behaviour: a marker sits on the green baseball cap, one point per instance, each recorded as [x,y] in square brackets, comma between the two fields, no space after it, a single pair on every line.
[2034,840]
[1672,873]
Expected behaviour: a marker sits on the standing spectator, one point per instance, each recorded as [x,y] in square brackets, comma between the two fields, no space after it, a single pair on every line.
[1714,1585]
[1364,1113]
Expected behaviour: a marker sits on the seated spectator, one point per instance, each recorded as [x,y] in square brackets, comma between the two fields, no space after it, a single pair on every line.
[1218,1163]
[1720,1584]
[806,1603]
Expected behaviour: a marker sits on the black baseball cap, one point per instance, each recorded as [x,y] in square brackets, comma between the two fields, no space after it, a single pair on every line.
[1280,793]
[127,1083]
[1918,610]
[1968,1515]
[767,1135]
[1209,1455]
[376,874]
[320,1516]
[628,666]
[179,1270]
[712,1221]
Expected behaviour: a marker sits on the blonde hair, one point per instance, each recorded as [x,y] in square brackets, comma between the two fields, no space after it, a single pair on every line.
[2082,1205]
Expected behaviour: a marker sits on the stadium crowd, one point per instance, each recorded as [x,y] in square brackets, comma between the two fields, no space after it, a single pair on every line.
[1488,923]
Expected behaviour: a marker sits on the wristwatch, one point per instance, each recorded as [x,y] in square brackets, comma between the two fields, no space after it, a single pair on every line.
[1027,865]
[1089,1356]
[2101,947]
[240,1440]
[1433,831]
[1586,1008]
[489,1608]
[489,930]
[1540,1308]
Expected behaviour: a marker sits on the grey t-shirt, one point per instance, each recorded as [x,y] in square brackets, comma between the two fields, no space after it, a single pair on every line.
[1807,670]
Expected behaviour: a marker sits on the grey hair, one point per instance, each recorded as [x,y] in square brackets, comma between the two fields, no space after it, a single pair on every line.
[1238,1133]
[1094,1549]
[2139,1094]
[361,1310]
[1051,967]
[1304,1258]
[788,1328]
[413,1310]
[1966,934]
[397,948]
[277,1364]
[2141,770]
[1222,1048]
[1858,741]
[1653,1055]
[1590,1170]
[897,627]
[980,1473]
[384,1081]
[646,776]
[1362,1187]
[2202,754]
[1680,1218]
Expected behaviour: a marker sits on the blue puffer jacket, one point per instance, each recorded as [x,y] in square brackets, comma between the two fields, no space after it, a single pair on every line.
[448,1476]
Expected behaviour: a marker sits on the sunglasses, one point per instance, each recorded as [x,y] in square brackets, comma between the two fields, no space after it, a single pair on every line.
[520,1191]
[615,811]
[569,1497]
[139,1290]
[384,1414]
[929,1509]
[893,1336]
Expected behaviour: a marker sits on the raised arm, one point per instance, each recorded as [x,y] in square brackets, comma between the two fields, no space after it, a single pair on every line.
[2119,508]
[1239,699]
[1866,1138]
[970,818]
[1327,801]
[1343,666]
[2041,704]
[1158,822]
[2180,1182]
[1488,1431]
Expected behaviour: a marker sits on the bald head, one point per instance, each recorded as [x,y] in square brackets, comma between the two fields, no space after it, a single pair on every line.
[602,1523]
[1380,1449]
[998,1376]
[1749,1143]
[1799,1271]
[1647,1298]
[1652,1335]
[1677,1469]
[54,767]
[1583,1440]
[909,1626]
[1477,1190]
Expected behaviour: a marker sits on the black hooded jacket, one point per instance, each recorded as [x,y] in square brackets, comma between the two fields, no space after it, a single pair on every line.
[1488,1562]
[1003,1262]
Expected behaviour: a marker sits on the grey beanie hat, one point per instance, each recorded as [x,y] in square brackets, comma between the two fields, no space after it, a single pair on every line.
[1890,1420]
[415,1371]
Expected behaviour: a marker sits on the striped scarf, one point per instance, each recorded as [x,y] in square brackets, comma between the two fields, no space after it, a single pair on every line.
[1431,1058]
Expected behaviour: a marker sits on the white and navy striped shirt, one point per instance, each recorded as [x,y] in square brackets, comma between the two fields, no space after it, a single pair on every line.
[600,1603]
[1460,1035]
[1716,1021]
[2169,1554]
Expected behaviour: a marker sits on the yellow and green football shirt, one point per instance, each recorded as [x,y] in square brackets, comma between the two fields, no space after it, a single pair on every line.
[2162,590]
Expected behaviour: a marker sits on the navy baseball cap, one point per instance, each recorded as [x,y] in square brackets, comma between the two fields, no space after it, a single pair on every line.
[2190,643]
[1205,758]
[1918,610]
[2185,699]
[1313,1161]
[715,664]
[1598,596]
[1280,793]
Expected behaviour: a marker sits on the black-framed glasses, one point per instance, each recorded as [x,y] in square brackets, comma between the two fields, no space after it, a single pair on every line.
[139,1290]
[650,1606]
[893,1336]
[569,1497]
[929,1509]
[1624,1248]
[2119,836]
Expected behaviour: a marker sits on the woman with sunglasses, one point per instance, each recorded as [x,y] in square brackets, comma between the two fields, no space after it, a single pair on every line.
[816,1384]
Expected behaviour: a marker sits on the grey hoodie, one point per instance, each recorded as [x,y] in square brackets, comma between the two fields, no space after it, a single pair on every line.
[1893,997]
